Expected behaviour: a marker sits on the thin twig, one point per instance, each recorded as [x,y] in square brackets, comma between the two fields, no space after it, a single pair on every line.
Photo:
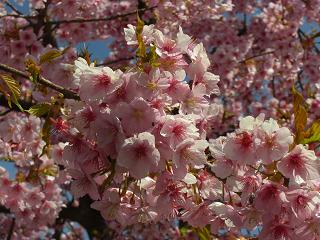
[23,103]
[115,61]
[273,87]
[18,16]
[83,20]
[13,7]
[299,80]
[300,34]
[67,93]
[5,112]
[11,229]
[257,55]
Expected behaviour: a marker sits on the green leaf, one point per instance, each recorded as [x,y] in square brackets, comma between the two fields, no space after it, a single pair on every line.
[153,57]
[14,88]
[85,54]
[50,55]
[300,115]
[184,231]
[45,134]
[313,133]
[141,51]
[33,69]
[39,109]
[49,171]
[203,233]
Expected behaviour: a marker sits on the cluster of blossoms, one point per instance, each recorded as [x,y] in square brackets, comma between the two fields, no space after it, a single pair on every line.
[34,207]
[267,44]
[139,143]
[20,140]
[158,142]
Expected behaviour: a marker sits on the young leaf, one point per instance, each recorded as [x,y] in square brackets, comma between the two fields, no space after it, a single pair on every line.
[300,115]
[45,134]
[141,51]
[203,233]
[313,133]
[49,171]
[33,69]
[85,54]
[153,57]
[14,88]
[39,109]
[50,55]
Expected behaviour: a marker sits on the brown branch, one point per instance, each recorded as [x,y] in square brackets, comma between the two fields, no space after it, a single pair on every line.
[301,35]
[11,228]
[82,20]
[115,61]
[88,217]
[18,16]
[273,87]
[66,93]
[4,103]
[5,112]
[257,55]
[12,7]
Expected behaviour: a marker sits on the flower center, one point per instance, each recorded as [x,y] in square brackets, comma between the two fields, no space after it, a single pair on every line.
[302,200]
[280,232]
[103,80]
[140,151]
[296,162]
[245,140]
[178,130]
[152,86]
[89,116]
[168,46]
[137,114]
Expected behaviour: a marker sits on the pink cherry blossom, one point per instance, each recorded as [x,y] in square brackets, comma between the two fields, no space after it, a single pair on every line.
[299,165]
[97,82]
[274,141]
[240,147]
[178,129]
[139,155]
[137,116]
[270,197]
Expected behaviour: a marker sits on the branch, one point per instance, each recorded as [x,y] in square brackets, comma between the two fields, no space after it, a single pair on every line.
[3,209]
[11,228]
[5,112]
[4,103]
[67,93]
[257,55]
[306,37]
[13,7]
[18,16]
[82,20]
[115,61]
[273,87]
[88,217]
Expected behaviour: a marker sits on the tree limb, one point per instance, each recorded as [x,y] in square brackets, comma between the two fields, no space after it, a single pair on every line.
[115,61]
[67,93]
[18,16]
[82,20]
[13,7]
[11,228]
[4,103]
[257,55]
[88,217]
